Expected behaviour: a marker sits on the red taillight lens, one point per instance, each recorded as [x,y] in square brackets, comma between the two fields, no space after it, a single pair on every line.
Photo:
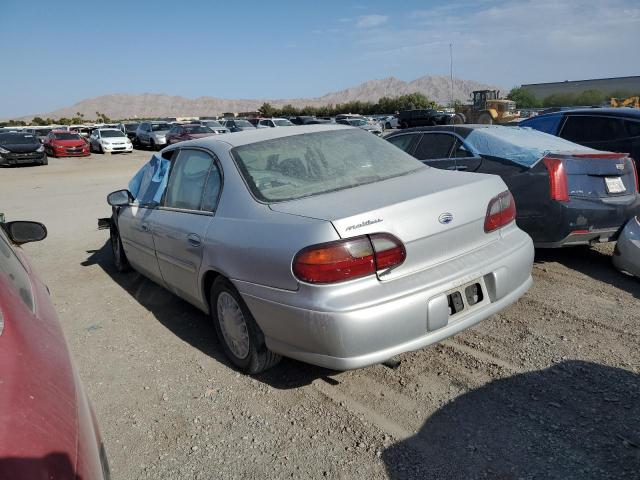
[348,259]
[500,212]
[558,187]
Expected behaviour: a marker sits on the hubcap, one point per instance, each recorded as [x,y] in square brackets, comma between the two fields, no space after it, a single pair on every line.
[233,325]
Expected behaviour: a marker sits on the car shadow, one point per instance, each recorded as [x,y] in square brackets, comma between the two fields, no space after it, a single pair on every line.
[195,327]
[56,464]
[575,420]
[593,263]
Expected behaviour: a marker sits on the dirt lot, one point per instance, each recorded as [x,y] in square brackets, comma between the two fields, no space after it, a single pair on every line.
[549,388]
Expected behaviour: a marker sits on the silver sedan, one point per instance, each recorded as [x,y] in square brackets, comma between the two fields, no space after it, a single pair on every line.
[321,243]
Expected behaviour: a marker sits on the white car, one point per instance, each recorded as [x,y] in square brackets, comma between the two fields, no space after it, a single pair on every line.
[390,122]
[273,123]
[109,140]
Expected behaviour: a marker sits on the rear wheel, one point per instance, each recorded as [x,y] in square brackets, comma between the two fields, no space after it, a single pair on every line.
[457,119]
[485,119]
[119,257]
[241,337]
[387,126]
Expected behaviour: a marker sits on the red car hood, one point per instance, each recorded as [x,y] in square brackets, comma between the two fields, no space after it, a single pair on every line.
[45,419]
[69,143]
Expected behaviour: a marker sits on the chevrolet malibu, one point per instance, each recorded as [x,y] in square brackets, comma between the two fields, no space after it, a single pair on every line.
[321,243]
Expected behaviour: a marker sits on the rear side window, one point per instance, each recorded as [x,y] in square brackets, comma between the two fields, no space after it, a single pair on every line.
[584,129]
[546,123]
[434,146]
[403,142]
[13,274]
[187,179]
[632,128]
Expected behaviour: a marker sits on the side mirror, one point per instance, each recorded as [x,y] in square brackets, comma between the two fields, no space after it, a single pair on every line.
[119,198]
[24,232]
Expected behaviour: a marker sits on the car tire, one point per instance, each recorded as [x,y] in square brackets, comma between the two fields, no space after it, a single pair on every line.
[387,126]
[241,338]
[485,119]
[404,125]
[152,145]
[45,160]
[119,257]
[457,119]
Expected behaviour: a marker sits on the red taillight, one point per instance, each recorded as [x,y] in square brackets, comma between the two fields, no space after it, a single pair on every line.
[500,212]
[558,187]
[349,258]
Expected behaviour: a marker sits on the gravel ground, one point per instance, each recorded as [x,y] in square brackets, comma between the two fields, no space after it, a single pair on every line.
[547,389]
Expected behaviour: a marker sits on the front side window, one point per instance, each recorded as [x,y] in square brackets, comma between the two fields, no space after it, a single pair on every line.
[187,179]
[545,123]
[434,146]
[309,164]
[13,274]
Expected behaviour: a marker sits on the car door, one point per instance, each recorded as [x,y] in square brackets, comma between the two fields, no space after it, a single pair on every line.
[446,151]
[181,224]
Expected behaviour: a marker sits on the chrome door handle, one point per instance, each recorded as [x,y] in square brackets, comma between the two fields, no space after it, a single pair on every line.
[194,240]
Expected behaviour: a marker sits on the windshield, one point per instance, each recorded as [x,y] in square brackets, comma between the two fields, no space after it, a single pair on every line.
[131,127]
[310,164]
[283,123]
[243,123]
[521,145]
[43,132]
[156,127]
[198,129]
[212,123]
[111,133]
[17,139]
[357,122]
[67,136]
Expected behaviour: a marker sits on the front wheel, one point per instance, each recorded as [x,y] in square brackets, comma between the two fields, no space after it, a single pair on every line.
[119,257]
[241,337]
[485,119]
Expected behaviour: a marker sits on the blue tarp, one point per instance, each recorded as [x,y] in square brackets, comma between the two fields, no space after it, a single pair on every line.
[148,185]
[522,145]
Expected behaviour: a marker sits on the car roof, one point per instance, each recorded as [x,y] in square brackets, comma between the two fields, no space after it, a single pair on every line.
[462,130]
[109,129]
[626,112]
[262,134]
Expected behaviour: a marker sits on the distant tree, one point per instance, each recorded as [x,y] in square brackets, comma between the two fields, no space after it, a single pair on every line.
[39,121]
[64,121]
[524,98]
[267,110]
[590,97]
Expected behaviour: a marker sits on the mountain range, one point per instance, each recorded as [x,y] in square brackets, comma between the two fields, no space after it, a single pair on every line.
[147,105]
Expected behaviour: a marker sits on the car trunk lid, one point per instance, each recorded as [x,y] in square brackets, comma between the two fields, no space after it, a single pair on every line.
[436,214]
[599,175]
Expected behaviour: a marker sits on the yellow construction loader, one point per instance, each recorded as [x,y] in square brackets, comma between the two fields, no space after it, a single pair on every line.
[487,108]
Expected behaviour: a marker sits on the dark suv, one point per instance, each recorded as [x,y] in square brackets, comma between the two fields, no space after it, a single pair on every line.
[423,118]
[610,129]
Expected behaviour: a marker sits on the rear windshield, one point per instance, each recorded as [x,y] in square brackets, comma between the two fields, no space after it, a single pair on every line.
[212,123]
[310,164]
[283,123]
[243,123]
[17,138]
[522,145]
[156,127]
[111,133]
[67,136]
[198,129]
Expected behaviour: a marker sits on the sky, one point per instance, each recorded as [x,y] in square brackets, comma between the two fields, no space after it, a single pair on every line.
[57,53]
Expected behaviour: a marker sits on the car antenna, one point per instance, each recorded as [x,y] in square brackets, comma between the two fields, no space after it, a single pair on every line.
[455,158]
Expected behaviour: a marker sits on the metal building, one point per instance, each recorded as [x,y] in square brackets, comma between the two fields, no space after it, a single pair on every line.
[630,85]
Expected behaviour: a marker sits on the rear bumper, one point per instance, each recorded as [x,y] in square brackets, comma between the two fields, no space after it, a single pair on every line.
[365,322]
[581,221]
